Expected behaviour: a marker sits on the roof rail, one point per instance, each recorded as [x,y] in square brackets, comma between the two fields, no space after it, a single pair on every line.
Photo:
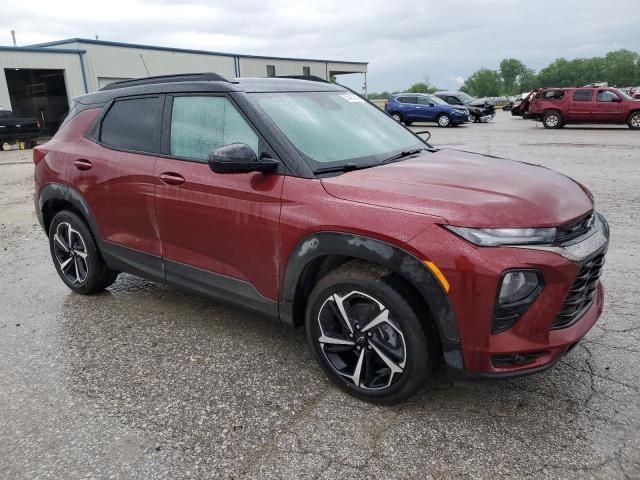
[311,78]
[181,77]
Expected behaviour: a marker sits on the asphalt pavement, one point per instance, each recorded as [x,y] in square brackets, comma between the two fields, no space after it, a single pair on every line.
[145,381]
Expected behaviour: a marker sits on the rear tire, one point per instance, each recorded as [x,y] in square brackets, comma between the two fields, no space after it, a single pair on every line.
[444,120]
[366,335]
[76,256]
[634,120]
[552,119]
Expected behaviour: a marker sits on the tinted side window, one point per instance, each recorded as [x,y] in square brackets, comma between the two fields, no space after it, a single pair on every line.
[424,101]
[133,124]
[408,99]
[583,95]
[453,100]
[202,124]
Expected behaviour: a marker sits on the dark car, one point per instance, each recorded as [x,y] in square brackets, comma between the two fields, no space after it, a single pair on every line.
[421,107]
[306,203]
[14,128]
[480,109]
[557,107]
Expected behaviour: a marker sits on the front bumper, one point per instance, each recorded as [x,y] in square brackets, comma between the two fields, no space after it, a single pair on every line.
[486,118]
[474,274]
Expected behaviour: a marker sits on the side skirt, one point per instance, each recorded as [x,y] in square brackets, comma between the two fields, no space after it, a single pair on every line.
[218,287]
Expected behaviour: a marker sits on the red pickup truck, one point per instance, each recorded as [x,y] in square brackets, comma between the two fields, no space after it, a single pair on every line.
[557,107]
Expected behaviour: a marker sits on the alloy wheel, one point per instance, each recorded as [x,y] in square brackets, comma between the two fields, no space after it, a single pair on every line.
[71,254]
[443,121]
[361,341]
[397,117]
[552,120]
[635,121]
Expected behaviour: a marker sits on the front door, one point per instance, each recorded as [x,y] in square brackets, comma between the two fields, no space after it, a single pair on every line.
[219,231]
[608,107]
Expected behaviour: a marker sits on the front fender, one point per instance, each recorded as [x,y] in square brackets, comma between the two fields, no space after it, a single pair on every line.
[386,255]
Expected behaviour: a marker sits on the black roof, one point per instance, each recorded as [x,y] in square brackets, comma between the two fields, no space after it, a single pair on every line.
[205,82]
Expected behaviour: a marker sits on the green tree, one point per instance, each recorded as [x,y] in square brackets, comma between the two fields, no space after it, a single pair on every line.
[511,71]
[528,81]
[484,83]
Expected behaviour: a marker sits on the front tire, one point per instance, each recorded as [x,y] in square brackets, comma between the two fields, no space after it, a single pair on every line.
[76,256]
[444,120]
[552,119]
[397,117]
[634,120]
[366,335]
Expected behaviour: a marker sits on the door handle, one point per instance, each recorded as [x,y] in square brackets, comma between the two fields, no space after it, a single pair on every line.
[82,164]
[171,178]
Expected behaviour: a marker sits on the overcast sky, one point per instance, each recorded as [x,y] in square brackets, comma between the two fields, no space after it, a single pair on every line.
[403,41]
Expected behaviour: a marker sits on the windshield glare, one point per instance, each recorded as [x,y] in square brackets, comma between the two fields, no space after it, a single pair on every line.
[622,93]
[466,98]
[336,127]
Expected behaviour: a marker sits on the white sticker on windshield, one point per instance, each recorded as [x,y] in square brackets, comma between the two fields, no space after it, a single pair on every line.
[350,97]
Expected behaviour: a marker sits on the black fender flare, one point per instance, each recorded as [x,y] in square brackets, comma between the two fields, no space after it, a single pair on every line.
[384,254]
[57,191]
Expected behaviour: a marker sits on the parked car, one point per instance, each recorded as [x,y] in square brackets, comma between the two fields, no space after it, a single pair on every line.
[557,107]
[306,203]
[421,107]
[480,109]
[14,128]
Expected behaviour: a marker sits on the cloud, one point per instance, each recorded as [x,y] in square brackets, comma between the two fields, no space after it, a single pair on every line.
[403,43]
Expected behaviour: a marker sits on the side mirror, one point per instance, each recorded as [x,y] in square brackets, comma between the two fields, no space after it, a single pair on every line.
[430,105]
[617,99]
[239,158]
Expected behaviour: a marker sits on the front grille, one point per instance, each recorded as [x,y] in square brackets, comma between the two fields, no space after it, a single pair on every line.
[581,294]
[566,233]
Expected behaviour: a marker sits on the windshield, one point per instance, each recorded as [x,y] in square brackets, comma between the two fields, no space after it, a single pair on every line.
[622,93]
[437,100]
[465,97]
[334,128]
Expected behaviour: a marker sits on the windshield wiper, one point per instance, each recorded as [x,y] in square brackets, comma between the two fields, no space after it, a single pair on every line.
[401,155]
[347,167]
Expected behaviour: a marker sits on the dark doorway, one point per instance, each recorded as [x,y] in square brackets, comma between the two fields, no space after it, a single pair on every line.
[38,93]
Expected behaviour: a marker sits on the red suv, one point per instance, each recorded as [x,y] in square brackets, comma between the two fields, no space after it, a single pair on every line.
[302,201]
[556,107]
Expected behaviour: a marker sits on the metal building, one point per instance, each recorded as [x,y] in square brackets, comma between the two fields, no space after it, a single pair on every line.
[40,80]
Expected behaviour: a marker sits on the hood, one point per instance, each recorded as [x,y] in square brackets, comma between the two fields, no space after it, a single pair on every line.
[467,189]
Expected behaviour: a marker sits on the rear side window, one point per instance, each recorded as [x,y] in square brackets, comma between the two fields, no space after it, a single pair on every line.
[583,95]
[408,99]
[202,124]
[133,124]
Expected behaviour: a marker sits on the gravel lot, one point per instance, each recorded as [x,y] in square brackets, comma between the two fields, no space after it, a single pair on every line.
[147,382]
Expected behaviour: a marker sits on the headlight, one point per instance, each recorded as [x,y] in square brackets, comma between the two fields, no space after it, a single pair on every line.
[491,237]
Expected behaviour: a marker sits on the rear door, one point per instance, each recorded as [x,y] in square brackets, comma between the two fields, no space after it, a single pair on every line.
[116,177]
[219,231]
[608,107]
[408,105]
[580,105]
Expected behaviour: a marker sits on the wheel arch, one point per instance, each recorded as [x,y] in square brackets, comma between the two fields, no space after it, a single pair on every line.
[318,253]
[55,197]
